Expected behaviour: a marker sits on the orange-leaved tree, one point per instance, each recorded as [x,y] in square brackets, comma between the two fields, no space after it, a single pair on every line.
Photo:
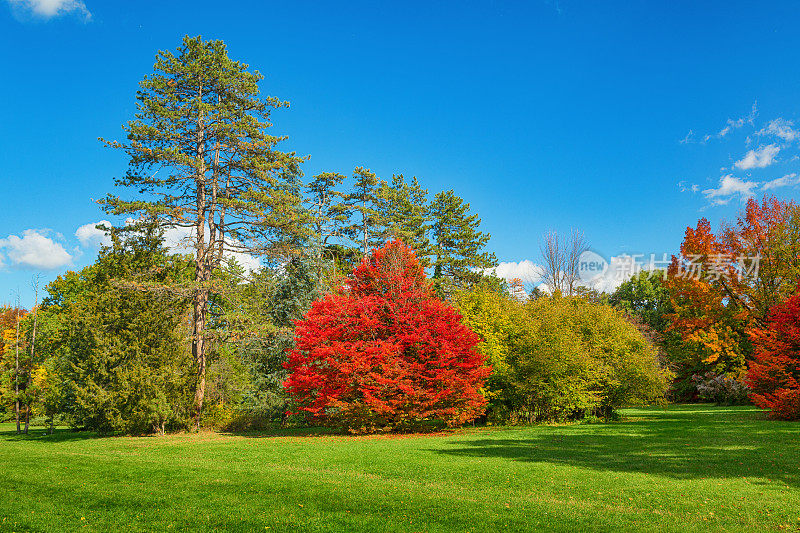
[382,353]
[724,284]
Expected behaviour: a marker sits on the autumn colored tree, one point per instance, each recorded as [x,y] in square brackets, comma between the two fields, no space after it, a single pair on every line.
[725,283]
[12,353]
[774,374]
[382,353]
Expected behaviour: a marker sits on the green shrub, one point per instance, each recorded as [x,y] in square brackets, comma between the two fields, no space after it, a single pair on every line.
[561,358]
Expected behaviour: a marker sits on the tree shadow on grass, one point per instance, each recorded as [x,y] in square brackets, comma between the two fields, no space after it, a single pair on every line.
[683,444]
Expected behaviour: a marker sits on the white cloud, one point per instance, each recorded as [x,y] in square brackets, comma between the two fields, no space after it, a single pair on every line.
[687,187]
[91,237]
[179,240]
[620,269]
[759,158]
[52,8]
[527,271]
[730,125]
[35,250]
[786,181]
[781,128]
[729,187]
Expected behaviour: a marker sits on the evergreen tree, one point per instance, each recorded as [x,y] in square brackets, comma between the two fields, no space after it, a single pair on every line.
[200,158]
[330,214]
[458,244]
[257,325]
[404,215]
[362,201]
[122,344]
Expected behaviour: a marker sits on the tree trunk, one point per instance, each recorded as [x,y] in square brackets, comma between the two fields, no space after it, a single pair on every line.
[201,277]
[16,373]
[29,381]
[16,414]
[199,353]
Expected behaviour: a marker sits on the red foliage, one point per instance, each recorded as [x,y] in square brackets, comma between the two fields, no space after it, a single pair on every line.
[774,374]
[383,353]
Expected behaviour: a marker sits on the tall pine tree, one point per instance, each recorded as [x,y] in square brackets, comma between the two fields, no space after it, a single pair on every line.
[200,158]
[362,201]
[458,243]
[404,215]
[325,201]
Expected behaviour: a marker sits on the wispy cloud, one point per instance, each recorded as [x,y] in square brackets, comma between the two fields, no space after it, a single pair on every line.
[47,9]
[684,186]
[788,180]
[730,125]
[762,157]
[781,128]
[35,249]
[730,187]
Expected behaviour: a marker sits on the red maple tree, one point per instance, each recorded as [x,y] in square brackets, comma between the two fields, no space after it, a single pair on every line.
[774,374]
[382,353]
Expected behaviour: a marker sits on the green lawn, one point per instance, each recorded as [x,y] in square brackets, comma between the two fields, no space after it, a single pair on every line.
[695,468]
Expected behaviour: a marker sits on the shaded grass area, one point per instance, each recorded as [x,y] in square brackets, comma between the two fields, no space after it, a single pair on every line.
[686,468]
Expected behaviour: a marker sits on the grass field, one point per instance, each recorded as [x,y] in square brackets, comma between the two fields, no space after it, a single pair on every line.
[687,468]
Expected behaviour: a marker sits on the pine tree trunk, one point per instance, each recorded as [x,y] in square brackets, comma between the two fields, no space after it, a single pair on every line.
[27,417]
[202,274]
[199,353]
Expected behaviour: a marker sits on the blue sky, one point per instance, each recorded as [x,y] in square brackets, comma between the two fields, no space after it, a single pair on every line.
[626,120]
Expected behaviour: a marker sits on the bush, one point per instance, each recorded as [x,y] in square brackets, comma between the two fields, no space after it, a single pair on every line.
[774,374]
[381,353]
[561,358]
[720,389]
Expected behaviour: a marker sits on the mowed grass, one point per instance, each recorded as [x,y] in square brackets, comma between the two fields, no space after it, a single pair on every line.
[686,468]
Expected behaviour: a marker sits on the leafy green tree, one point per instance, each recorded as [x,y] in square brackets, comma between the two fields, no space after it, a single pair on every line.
[560,357]
[201,158]
[491,312]
[645,298]
[121,343]
[458,244]
[256,331]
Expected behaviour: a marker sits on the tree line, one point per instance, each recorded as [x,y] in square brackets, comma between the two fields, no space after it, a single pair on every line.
[202,160]
[146,340]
